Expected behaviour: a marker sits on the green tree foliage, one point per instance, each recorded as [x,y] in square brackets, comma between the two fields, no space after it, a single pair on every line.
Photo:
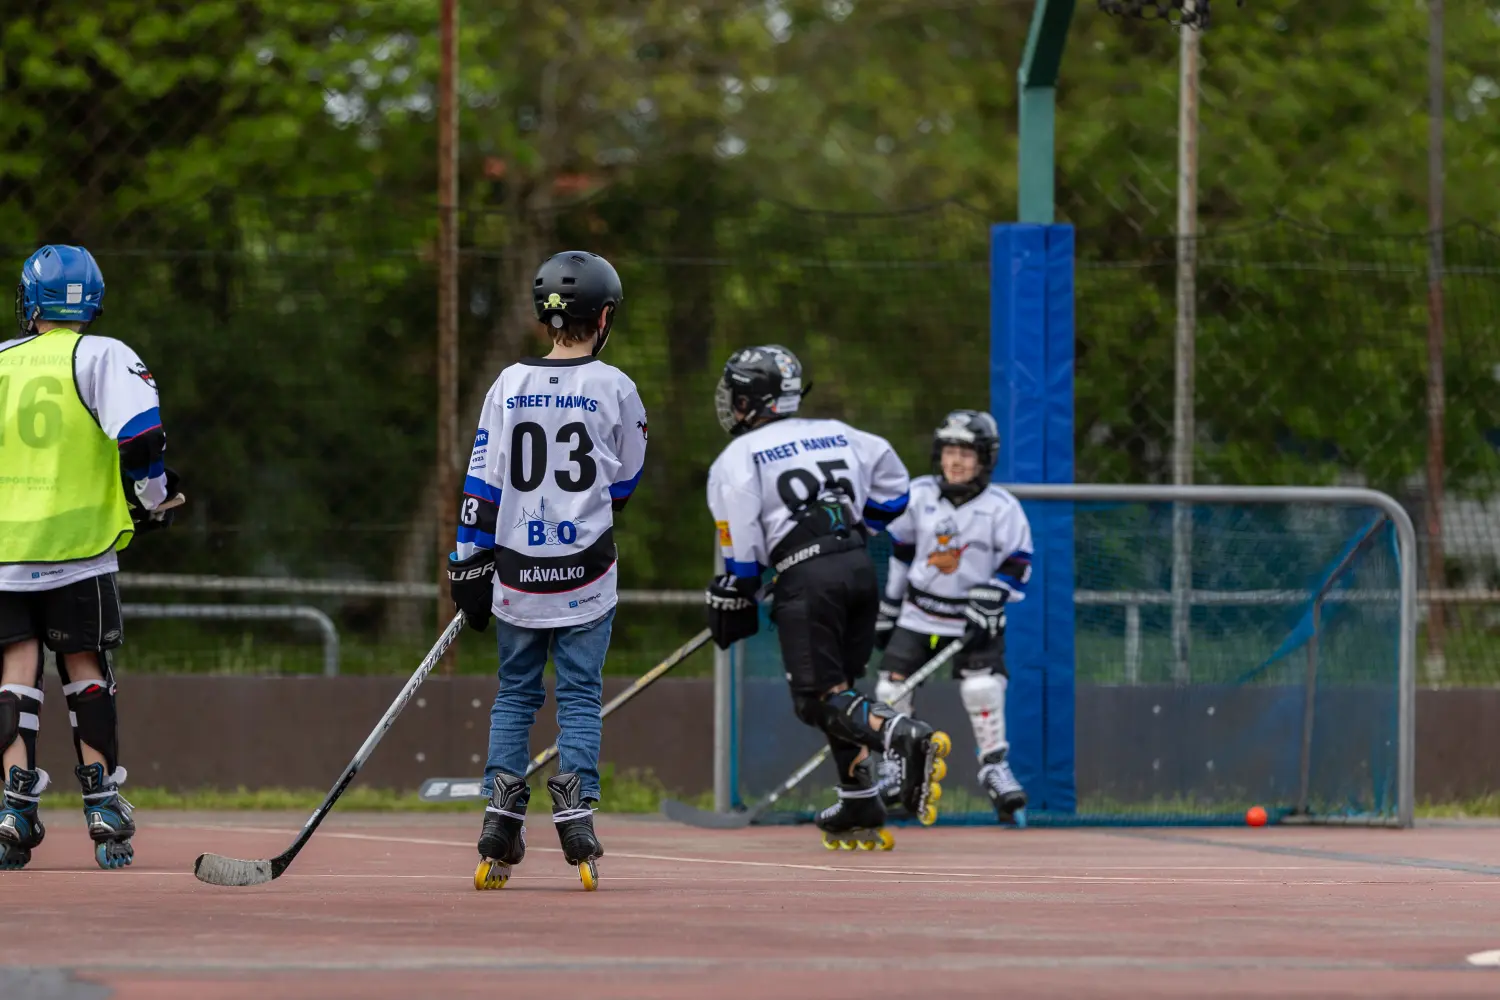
[258,181]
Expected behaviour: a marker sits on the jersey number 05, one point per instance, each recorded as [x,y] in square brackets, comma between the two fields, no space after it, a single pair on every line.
[528,457]
[797,486]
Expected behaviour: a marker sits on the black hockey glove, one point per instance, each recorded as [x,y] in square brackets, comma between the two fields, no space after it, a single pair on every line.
[732,614]
[471,584]
[146,521]
[885,624]
[986,616]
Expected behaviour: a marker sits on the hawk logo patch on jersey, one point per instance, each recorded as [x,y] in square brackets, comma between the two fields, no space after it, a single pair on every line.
[143,373]
[948,554]
[642,425]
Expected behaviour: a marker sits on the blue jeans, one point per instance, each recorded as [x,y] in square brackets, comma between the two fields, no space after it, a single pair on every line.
[578,656]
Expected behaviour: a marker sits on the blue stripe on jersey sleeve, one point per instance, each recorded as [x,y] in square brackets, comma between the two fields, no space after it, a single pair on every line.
[481,490]
[139,424]
[1015,571]
[891,507]
[480,539]
[623,489]
[743,569]
[155,469]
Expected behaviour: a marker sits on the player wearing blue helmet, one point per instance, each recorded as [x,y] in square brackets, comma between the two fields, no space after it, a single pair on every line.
[82,470]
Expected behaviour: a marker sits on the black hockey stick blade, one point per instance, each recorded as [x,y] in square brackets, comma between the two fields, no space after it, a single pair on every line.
[215,869]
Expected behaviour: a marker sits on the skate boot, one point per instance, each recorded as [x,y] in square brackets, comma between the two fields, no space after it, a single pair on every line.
[502,842]
[857,820]
[889,772]
[108,815]
[21,829]
[920,751]
[575,827]
[1001,786]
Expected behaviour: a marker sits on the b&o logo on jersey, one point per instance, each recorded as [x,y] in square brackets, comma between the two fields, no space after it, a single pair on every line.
[542,530]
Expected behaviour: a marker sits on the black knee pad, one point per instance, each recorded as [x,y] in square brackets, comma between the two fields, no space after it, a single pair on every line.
[808,709]
[844,716]
[91,709]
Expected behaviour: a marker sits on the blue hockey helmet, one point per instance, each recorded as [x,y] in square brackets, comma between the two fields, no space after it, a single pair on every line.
[61,283]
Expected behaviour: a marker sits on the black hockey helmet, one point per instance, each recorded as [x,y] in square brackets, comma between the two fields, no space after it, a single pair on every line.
[969,429]
[759,383]
[576,286]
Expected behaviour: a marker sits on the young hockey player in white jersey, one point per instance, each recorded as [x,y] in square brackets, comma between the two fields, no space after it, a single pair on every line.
[560,447]
[81,473]
[962,551]
[800,496]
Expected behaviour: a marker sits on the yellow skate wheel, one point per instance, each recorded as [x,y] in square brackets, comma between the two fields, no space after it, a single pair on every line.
[829,843]
[941,744]
[939,769]
[934,792]
[865,845]
[929,814]
[588,875]
[490,875]
[886,841]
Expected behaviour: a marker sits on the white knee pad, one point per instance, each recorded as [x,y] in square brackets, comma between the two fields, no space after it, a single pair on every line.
[984,699]
[885,690]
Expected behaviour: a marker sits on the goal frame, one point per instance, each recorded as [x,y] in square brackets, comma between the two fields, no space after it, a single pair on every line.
[728,675]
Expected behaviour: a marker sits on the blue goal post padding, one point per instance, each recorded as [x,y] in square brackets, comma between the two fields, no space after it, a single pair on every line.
[1031,397]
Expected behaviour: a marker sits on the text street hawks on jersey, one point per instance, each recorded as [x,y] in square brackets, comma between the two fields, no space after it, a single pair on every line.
[764,475]
[560,443]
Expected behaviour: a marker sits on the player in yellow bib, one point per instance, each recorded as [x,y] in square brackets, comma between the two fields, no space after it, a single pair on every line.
[81,473]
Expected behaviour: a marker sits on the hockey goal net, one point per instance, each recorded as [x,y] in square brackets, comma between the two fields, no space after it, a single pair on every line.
[1275,671]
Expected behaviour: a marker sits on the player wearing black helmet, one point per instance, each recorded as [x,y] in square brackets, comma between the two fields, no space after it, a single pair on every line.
[560,447]
[799,496]
[962,551]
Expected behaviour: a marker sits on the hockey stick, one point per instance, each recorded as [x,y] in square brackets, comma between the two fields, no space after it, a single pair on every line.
[215,869]
[681,812]
[464,789]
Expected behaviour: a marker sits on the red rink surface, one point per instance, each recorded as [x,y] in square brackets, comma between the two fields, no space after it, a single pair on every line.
[383,907]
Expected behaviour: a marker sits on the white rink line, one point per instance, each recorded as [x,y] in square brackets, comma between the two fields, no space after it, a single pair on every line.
[1000,876]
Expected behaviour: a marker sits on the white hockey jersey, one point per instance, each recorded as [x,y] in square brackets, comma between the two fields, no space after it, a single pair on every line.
[121,392]
[757,481]
[560,447]
[943,550]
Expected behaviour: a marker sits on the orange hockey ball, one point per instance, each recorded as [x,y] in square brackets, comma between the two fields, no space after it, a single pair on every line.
[1255,816]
